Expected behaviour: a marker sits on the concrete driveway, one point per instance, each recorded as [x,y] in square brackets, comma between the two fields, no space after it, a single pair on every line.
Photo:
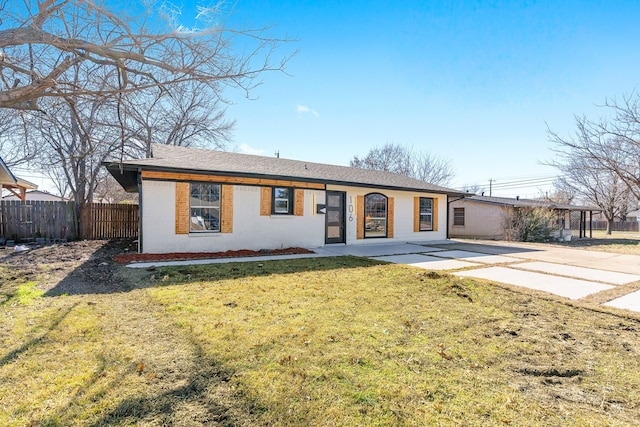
[598,277]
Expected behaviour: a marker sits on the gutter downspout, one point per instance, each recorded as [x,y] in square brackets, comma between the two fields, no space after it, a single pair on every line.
[139,210]
[447,215]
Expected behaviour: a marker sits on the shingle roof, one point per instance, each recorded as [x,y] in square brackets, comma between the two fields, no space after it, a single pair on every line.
[530,203]
[195,160]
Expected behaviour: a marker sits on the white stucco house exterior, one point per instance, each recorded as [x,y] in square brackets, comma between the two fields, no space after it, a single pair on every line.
[481,217]
[197,200]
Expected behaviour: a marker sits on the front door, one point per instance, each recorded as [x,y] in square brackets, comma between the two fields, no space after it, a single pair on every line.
[334,218]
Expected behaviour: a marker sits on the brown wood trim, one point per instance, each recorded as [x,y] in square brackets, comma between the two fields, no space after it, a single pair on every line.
[298,202]
[435,214]
[416,214]
[174,176]
[360,217]
[182,208]
[390,218]
[226,216]
[265,201]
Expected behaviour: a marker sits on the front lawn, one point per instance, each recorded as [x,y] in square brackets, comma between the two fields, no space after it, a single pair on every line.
[334,341]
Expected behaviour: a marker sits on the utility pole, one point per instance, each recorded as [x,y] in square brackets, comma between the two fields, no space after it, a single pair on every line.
[490,186]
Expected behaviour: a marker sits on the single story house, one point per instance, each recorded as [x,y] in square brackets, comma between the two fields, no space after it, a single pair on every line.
[36,195]
[197,200]
[481,217]
[14,185]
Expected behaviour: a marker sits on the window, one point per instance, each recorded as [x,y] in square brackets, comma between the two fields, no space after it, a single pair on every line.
[282,203]
[204,207]
[458,216]
[375,215]
[426,214]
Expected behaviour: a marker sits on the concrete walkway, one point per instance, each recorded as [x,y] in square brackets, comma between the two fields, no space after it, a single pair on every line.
[569,273]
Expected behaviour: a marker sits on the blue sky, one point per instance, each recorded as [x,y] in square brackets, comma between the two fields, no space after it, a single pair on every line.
[475,82]
[471,81]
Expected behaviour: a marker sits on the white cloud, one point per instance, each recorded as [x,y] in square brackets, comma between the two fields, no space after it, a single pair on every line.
[245,149]
[303,109]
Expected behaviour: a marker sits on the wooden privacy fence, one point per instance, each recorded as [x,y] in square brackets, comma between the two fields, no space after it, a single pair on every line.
[27,220]
[108,221]
[617,225]
[24,221]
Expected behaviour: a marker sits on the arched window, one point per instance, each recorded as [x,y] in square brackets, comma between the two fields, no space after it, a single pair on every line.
[375,215]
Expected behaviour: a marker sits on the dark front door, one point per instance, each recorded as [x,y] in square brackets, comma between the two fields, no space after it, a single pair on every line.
[335,230]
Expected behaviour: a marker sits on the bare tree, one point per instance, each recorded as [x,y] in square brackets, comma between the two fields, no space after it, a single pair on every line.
[75,143]
[474,189]
[601,161]
[42,41]
[97,83]
[186,116]
[109,191]
[16,143]
[608,143]
[595,186]
[406,161]
[564,192]
[389,158]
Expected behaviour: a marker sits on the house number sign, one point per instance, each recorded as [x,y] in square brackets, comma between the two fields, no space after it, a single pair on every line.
[350,208]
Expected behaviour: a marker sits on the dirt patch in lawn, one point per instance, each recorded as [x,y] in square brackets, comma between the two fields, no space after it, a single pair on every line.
[66,268]
[91,266]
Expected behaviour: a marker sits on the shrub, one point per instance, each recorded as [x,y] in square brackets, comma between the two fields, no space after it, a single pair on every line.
[528,224]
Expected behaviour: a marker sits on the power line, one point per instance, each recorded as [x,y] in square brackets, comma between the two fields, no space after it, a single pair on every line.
[517,183]
[497,183]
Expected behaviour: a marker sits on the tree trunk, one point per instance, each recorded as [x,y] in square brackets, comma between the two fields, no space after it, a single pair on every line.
[609,227]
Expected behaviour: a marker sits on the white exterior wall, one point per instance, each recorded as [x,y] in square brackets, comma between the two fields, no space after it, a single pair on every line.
[250,230]
[481,220]
[403,215]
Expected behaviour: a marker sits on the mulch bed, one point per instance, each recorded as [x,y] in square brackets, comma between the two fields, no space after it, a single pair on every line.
[176,256]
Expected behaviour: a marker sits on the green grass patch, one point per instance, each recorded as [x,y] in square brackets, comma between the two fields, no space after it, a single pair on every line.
[25,294]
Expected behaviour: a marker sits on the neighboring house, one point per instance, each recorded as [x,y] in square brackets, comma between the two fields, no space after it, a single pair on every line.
[195,200]
[14,185]
[37,195]
[481,217]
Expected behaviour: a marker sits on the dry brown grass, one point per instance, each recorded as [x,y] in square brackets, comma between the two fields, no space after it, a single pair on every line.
[620,242]
[334,341]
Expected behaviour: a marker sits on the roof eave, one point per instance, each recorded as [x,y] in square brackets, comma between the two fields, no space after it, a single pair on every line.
[130,167]
[126,175]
